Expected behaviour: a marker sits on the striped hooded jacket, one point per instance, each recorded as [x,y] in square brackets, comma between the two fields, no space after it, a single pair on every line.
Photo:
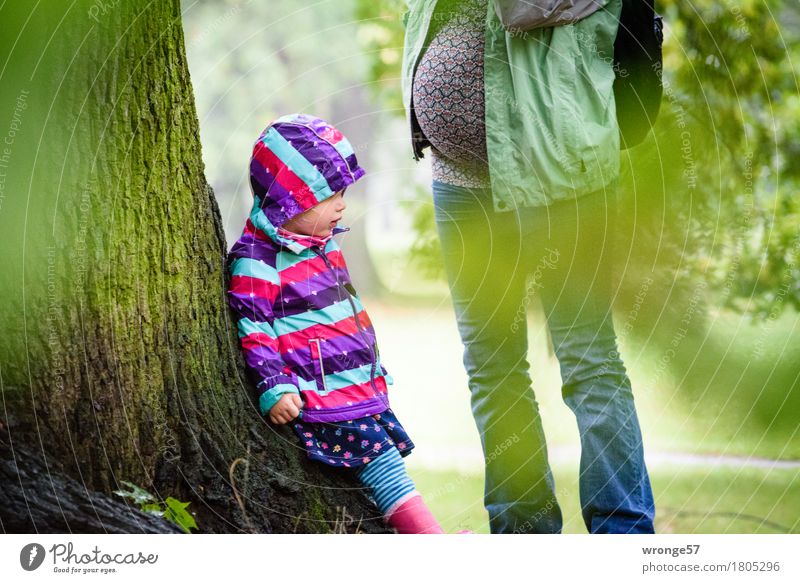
[302,326]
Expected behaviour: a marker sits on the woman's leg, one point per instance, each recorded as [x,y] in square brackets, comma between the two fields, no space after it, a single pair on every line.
[486,273]
[577,296]
[395,495]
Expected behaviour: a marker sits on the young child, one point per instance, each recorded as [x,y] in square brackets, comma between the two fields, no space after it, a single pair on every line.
[309,345]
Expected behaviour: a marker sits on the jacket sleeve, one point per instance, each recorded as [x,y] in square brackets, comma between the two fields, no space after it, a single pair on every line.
[252,291]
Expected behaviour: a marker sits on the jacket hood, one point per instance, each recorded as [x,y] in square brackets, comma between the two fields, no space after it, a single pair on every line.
[298,161]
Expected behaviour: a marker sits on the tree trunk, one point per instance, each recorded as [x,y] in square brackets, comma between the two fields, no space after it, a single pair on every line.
[119,359]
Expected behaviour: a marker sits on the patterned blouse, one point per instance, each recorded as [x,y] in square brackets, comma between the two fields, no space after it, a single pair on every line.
[448,95]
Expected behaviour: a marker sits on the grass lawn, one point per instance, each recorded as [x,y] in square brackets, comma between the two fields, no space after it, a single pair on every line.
[722,404]
[699,501]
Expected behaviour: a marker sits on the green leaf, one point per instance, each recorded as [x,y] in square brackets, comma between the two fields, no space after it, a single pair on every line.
[176,512]
[154,509]
[139,495]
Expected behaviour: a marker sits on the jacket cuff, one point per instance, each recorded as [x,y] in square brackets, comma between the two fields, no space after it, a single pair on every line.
[281,385]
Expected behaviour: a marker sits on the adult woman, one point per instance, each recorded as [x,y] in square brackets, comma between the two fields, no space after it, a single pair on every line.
[525,148]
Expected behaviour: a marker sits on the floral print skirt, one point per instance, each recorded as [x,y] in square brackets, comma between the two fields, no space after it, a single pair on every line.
[355,442]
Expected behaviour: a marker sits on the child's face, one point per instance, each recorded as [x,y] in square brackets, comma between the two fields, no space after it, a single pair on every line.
[320,219]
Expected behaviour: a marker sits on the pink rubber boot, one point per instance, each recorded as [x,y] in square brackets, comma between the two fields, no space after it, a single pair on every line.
[413,517]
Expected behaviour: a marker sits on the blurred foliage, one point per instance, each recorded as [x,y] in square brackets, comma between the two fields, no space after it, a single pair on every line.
[381,37]
[425,250]
[710,192]
[725,144]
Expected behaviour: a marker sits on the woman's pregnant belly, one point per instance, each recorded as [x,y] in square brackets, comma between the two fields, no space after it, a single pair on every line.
[448,89]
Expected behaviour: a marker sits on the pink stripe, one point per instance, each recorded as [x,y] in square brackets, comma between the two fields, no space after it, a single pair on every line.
[244,285]
[299,190]
[305,269]
[332,135]
[340,397]
[259,340]
[250,229]
[299,339]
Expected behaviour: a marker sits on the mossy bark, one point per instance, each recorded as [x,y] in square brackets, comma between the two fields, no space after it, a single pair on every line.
[119,358]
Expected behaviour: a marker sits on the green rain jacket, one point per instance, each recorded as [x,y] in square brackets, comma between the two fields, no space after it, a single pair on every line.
[551,126]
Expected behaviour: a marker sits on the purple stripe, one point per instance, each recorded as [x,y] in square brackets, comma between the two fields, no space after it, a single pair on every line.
[301,288]
[325,157]
[319,125]
[293,302]
[271,365]
[277,196]
[281,379]
[260,176]
[333,359]
[256,309]
[326,277]
[346,412]
[353,163]
[252,248]
[299,305]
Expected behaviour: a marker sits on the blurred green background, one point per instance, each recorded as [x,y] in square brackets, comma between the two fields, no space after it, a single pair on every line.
[710,217]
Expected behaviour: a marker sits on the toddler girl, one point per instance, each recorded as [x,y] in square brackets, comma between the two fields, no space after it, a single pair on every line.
[309,345]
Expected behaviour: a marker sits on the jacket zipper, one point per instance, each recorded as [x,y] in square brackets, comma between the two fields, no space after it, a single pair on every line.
[324,387]
[322,254]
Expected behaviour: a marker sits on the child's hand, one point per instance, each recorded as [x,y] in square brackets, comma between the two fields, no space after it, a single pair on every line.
[287,408]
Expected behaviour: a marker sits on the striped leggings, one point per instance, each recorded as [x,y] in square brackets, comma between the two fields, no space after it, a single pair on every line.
[389,484]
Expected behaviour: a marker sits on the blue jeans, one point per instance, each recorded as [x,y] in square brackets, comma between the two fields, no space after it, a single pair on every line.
[496,265]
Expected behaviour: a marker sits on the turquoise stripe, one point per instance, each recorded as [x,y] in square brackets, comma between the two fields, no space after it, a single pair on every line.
[306,385]
[286,260]
[393,490]
[381,472]
[268,398]
[294,160]
[328,315]
[247,326]
[358,304]
[389,461]
[255,268]
[345,378]
[344,148]
[259,219]
[339,380]
[394,494]
[387,479]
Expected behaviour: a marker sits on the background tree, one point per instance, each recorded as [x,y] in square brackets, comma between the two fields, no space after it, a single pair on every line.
[256,61]
[118,360]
